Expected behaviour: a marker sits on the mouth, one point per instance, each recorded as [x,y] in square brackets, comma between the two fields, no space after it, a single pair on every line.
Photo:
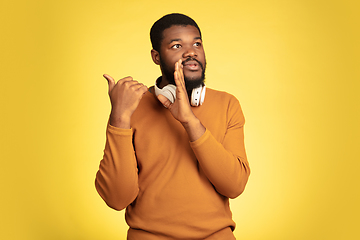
[192,65]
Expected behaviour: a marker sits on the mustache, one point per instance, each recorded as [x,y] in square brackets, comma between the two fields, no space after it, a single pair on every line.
[193,59]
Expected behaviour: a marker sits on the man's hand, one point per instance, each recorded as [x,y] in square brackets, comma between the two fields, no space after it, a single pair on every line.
[181,109]
[125,96]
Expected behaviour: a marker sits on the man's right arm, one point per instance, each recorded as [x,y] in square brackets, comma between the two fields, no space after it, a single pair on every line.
[117,179]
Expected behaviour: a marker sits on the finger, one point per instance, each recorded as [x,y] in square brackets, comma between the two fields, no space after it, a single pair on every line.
[144,89]
[129,83]
[179,80]
[181,73]
[134,85]
[126,79]
[176,78]
[165,102]
[140,87]
[111,81]
[181,69]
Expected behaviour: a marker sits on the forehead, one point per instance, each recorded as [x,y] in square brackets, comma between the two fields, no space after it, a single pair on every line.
[180,32]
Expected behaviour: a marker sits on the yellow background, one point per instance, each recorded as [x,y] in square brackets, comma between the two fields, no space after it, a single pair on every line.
[294,66]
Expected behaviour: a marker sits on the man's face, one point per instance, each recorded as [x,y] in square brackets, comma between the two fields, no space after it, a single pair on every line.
[184,43]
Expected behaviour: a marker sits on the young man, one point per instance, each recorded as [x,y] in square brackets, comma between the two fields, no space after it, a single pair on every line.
[174,155]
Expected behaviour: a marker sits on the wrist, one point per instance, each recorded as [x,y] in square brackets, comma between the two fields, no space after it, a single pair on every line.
[192,123]
[194,129]
[120,121]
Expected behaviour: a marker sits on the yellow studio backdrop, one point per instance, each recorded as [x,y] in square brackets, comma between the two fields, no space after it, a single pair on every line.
[294,66]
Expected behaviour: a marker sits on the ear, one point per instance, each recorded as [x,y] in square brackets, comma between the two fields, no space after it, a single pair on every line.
[155,55]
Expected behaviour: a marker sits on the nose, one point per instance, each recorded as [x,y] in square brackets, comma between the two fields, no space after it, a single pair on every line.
[189,52]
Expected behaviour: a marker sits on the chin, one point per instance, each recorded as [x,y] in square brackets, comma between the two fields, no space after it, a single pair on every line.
[194,82]
[192,77]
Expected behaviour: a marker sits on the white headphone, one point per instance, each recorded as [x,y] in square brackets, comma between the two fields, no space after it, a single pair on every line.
[169,91]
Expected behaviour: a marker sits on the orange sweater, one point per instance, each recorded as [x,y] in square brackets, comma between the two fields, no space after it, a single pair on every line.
[172,188]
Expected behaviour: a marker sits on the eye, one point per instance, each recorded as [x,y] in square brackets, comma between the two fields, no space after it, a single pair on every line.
[197,44]
[176,46]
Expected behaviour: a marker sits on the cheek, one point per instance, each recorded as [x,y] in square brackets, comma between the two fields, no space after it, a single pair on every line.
[170,59]
[203,61]
[202,56]
[171,65]
[168,66]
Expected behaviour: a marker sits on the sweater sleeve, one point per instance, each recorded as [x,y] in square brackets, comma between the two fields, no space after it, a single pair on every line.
[225,164]
[117,178]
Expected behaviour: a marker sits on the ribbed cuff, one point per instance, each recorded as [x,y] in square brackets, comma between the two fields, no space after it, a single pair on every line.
[201,140]
[119,131]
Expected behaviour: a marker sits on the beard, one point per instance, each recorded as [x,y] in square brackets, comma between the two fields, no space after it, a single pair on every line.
[190,83]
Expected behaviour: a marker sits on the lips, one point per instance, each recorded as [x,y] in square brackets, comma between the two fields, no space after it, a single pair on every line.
[192,64]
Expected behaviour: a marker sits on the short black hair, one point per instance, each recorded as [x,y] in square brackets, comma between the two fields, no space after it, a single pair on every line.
[167,21]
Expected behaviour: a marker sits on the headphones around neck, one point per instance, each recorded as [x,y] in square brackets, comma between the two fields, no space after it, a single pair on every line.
[169,91]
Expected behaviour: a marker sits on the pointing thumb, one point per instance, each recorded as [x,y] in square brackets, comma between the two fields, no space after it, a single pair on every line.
[110,80]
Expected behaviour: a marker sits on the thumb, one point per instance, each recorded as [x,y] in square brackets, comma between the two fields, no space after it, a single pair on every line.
[110,80]
[165,102]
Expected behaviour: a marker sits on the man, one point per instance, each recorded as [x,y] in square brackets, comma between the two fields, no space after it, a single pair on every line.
[173,155]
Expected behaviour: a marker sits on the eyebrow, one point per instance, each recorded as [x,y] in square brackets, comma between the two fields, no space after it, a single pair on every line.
[179,39]
[175,40]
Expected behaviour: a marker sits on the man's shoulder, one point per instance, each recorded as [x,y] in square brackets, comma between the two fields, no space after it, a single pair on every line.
[218,95]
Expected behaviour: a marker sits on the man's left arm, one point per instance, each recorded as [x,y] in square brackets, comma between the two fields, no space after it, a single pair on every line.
[225,164]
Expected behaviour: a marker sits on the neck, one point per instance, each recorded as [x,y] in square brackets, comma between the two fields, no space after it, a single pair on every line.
[162,82]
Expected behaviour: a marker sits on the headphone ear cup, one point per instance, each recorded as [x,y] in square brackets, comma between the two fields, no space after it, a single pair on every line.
[169,91]
[202,97]
[198,96]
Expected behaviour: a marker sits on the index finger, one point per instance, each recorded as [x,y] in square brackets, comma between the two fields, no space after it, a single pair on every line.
[179,74]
